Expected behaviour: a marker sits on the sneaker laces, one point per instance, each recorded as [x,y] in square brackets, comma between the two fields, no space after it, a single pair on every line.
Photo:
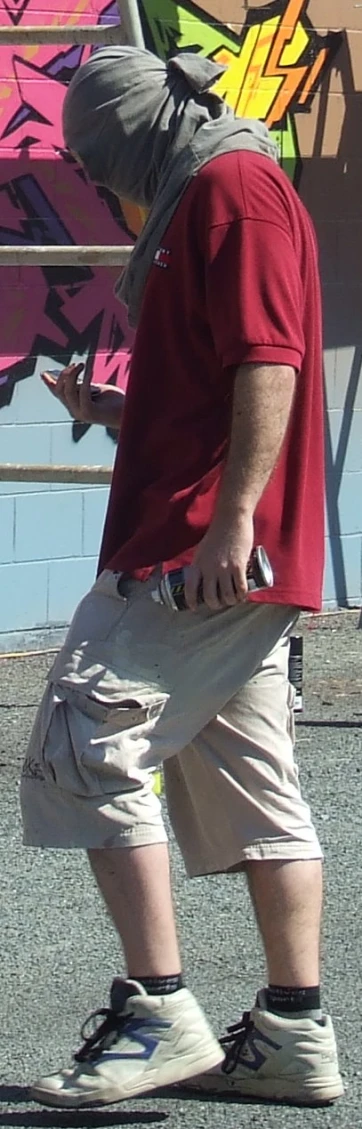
[234,1041]
[104,1035]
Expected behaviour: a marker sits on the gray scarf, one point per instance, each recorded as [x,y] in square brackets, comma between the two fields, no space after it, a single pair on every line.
[143,128]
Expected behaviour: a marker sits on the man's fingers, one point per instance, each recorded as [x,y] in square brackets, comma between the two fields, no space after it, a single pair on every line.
[192,581]
[85,391]
[64,388]
[77,396]
[226,589]
[69,391]
[50,378]
[211,592]
[240,584]
[221,588]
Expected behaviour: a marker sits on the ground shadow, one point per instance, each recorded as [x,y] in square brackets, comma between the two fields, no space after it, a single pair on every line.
[86,1119]
[329,724]
[36,1117]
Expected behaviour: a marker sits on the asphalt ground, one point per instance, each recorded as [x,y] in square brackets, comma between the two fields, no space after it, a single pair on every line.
[59,951]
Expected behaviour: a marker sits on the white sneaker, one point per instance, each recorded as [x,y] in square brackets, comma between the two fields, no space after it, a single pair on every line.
[273,1058]
[143,1043]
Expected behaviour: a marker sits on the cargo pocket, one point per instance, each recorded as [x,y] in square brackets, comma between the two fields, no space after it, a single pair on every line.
[51,755]
[119,756]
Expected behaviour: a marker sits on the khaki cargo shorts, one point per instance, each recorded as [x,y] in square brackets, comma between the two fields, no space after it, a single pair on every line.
[205,694]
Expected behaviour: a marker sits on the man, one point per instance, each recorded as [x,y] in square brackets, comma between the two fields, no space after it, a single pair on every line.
[220,449]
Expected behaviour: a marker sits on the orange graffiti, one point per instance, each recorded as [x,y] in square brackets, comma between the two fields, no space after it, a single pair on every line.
[271,72]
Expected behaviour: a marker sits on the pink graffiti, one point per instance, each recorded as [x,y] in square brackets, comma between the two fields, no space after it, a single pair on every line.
[44,198]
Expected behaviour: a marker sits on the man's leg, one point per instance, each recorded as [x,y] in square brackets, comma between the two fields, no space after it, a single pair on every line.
[235,804]
[287,897]
[135,885]
[154,1033]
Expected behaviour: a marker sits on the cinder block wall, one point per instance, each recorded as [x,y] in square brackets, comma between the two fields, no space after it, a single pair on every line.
[50,535]
[298,66]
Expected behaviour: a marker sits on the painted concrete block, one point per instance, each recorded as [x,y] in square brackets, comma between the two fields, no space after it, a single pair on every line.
[94,509]
[23,596]
[343,572]
[343,376]
[348,374]
[342,307]
[25,443]
[348,520]
[7,529]
[28,444]
[48,525]
[23,488]
[68,582]
[327,237]
[346,439]
[93,448]
[349,237]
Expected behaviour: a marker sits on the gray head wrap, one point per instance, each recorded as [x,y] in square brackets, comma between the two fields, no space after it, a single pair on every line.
[143,128]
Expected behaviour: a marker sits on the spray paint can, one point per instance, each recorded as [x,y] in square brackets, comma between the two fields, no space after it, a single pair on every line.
[295,672]
[171,588]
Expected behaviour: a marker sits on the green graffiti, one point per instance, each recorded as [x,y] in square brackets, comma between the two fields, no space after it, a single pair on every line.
[179,27]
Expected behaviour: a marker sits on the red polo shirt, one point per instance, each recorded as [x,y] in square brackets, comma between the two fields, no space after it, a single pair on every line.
[235,282]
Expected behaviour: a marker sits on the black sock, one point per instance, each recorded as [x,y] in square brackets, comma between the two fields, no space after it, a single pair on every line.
[292,1001]
[161,985]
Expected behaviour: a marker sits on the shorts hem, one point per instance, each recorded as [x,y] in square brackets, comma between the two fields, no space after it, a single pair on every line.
[295,852]
[91,843]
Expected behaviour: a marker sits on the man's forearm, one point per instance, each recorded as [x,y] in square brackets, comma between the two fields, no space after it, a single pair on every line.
[263,396]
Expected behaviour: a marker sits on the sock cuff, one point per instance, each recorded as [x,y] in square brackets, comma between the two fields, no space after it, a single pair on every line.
[288,1001]
[161,985]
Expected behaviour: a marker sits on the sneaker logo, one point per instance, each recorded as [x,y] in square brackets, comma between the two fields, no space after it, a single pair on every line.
[135,1030]
[251,1055]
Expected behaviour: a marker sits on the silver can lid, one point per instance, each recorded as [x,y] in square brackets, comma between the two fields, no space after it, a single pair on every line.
[264,566]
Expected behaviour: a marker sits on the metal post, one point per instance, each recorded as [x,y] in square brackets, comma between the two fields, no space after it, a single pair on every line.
[130,19]
[92,33]
[67,255]
[75,475]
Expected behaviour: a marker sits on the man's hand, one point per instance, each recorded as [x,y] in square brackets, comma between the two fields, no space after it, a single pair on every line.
[220,562]
[86,402]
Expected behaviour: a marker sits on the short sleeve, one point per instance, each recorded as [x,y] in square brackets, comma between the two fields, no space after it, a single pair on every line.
[254,294]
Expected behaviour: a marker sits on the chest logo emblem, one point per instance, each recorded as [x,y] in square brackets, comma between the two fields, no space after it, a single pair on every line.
[162,258]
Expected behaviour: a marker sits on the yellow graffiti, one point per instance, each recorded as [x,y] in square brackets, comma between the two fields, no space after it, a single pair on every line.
[5,91]
[264,79]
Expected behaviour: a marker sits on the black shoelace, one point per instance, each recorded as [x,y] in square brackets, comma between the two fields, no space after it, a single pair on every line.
[234,1041]
[104,1036]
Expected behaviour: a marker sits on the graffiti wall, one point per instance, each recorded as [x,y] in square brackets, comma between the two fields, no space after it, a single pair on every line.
[295,64]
